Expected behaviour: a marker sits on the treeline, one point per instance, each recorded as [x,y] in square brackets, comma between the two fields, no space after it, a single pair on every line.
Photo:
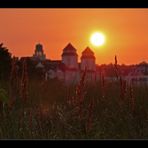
[10,64]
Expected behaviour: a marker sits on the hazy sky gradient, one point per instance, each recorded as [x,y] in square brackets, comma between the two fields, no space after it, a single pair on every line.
[126,31]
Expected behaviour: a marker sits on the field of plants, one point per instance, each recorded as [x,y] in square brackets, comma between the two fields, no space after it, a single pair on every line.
[39,109]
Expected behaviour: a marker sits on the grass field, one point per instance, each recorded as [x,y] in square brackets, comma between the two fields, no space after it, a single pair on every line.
[55,111]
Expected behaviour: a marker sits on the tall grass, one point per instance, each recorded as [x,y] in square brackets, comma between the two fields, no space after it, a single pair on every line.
[104,110]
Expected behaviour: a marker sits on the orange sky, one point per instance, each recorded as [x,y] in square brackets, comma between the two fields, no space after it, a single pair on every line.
[126,32]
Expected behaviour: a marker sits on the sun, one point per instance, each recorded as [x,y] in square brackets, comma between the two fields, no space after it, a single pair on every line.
[97,39]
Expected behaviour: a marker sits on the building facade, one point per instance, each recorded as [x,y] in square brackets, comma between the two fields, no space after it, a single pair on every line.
[69,69]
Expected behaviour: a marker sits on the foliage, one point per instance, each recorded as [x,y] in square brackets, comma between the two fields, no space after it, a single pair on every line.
[52,110]
[3,95]
[5,62]
[50,113]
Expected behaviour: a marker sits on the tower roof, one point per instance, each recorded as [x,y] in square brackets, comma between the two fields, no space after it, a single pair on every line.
[69,47]
[69,50]
[88,53]
[39,47]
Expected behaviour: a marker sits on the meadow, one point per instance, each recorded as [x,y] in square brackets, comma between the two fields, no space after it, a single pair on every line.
[39,109]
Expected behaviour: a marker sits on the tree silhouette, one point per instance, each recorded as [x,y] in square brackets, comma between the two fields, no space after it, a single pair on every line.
[5,62]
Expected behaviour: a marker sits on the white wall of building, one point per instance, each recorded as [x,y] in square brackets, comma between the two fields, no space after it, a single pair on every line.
[88,63]
[70,61]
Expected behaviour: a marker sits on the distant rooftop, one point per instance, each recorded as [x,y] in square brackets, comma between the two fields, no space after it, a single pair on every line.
[88,53]
[39,47]
[69,50]
[69,47]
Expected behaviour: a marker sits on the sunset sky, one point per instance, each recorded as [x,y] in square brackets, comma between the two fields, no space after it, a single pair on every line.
[126,32]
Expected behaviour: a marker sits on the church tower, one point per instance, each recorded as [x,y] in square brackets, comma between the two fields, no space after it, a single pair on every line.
[70,60]
[88,63]
[88,60]
[39,52]
[70,57]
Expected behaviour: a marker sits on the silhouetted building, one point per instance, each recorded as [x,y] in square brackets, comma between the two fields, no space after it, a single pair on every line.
[69,70]
[70,59]
[88,64]
[138,74]
[39,53]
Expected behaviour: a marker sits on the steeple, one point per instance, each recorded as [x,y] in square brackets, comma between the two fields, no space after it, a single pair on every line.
[39,52]
[88,60]
[69,50]
[88,53]
[70,57]
[38,48]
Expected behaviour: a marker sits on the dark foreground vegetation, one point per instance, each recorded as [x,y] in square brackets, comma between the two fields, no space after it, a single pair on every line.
[54,111]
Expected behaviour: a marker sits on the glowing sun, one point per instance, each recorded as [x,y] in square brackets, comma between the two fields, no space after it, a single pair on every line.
[97,39]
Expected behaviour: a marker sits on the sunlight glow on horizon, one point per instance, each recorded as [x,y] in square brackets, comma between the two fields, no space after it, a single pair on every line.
[125,32]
